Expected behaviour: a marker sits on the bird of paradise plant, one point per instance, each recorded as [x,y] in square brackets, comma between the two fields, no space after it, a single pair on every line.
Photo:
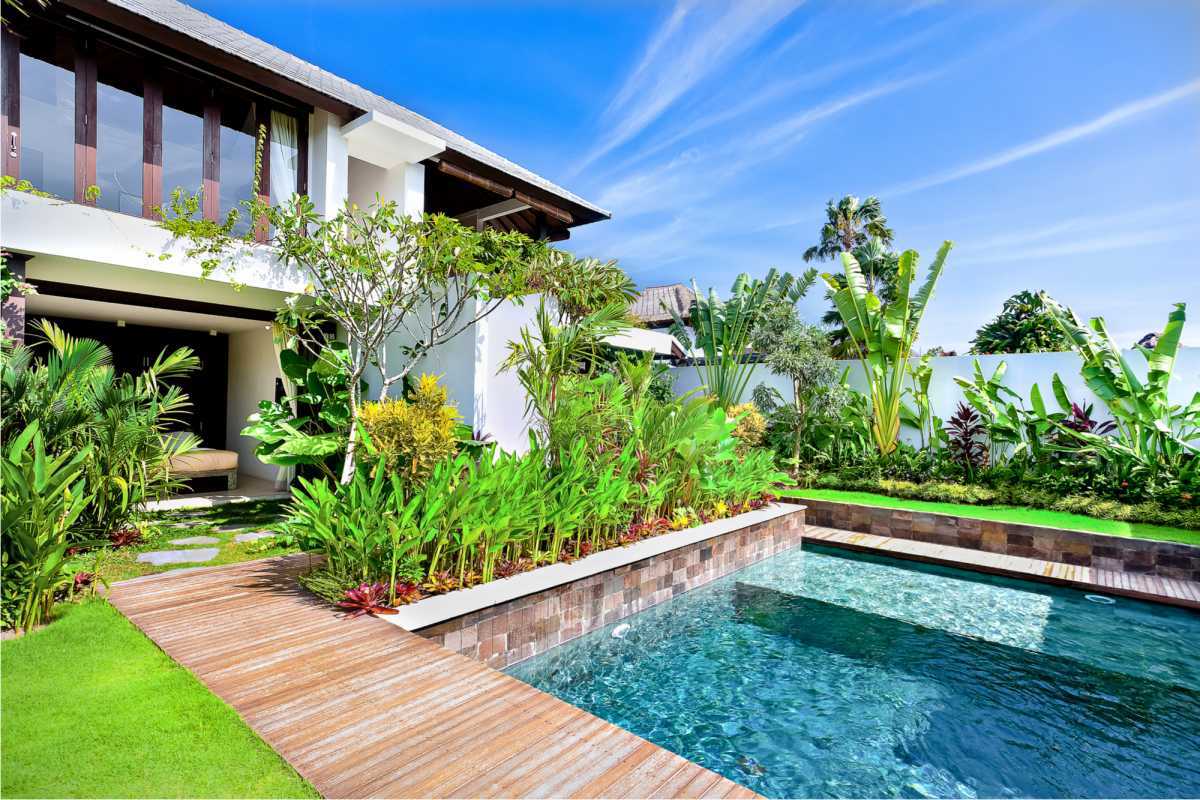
[883,335]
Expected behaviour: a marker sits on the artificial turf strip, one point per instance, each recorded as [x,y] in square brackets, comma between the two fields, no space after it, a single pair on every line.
[93,709]
[1020,514]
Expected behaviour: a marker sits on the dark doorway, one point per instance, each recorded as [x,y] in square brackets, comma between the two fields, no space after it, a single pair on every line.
[135,347]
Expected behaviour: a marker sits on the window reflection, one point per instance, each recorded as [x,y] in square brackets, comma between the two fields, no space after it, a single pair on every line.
[237,158]
[48,118]
[183,135]
[118,132]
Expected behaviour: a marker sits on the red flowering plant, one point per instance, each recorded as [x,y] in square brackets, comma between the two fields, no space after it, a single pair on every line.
[367,598]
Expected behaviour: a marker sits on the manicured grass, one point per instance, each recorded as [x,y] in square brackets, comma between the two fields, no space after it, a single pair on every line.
[1029,516]
[93,709]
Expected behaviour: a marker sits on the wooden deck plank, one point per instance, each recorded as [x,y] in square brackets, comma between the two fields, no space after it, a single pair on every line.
[1091,579]
[362,708]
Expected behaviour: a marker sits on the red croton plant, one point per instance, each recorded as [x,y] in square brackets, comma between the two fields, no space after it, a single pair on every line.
[375,598]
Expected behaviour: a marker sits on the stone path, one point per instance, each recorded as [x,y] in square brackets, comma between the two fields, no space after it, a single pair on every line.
[196,540]
[253,536]
[195,555]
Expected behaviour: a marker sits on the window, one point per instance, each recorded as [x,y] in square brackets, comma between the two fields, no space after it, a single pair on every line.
[182,134]
[284,157]
[238,142]
[119,131]
[47,136]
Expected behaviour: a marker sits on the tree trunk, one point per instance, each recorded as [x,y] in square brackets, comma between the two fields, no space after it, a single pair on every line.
[352,436]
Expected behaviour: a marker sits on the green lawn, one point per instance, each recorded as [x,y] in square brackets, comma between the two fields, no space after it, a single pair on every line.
[93,709]
[1029,516]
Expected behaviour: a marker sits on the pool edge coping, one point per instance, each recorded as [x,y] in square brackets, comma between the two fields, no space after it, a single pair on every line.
[430,611]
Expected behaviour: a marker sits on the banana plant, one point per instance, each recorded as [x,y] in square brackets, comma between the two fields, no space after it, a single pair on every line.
[1149,427]
[722,329]
[883,335]
[920,414]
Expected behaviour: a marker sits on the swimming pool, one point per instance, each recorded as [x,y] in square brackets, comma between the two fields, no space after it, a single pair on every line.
[820,673]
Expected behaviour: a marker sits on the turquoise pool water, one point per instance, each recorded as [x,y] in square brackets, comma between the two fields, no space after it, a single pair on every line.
[819,673]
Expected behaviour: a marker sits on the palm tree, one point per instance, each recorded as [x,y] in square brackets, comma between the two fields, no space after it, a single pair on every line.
[850,224]
[879,266]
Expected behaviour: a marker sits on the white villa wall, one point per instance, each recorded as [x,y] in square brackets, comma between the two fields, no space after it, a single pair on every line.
[1024,370]
[252,373]
[500,405]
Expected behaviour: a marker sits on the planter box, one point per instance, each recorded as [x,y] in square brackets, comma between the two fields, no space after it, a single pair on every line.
[1117,553]
[509,620]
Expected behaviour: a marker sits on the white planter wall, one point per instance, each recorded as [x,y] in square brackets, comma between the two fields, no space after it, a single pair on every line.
[1024,370]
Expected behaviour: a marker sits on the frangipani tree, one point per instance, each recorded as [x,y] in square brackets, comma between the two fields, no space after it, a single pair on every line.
[723,329]
[883,336]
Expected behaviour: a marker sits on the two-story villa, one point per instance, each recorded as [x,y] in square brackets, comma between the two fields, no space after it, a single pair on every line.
[138,97]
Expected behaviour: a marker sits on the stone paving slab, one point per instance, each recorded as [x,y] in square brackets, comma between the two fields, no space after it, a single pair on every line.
[196,540]
[193,556]
[253,536]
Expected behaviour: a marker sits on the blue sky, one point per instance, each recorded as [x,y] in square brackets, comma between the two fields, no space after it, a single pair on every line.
[1058,144]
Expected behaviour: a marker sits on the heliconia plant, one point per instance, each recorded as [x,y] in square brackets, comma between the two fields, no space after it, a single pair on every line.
[883,335]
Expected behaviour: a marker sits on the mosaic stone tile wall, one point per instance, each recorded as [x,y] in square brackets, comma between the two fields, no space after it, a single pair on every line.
[1117,553]
[513,631]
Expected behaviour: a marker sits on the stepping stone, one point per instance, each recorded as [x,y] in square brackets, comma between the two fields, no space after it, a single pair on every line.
[183,525]
[231,527]
[197,540]
[160,557]
[253,536]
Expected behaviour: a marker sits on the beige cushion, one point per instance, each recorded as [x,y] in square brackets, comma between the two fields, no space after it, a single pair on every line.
[205,459]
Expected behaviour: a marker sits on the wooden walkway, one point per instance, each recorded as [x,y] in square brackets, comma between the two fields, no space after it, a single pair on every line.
[1091,579]
[362,708]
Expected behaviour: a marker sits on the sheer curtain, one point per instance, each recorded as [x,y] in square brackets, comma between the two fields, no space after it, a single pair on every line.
[281,339]
[285,157]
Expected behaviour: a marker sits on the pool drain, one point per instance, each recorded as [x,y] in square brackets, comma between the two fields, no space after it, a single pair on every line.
[1099,598]
[620,631]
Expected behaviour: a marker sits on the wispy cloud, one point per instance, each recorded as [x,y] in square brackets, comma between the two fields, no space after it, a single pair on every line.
[696,173]
[1065,136]
[692,44]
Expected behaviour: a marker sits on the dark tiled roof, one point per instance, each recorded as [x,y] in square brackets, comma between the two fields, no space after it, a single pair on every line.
[209,30]
[648,306]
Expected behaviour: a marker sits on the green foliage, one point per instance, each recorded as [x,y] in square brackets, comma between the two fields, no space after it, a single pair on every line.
[1024,325]
[850,223]
[883,337]
[413,434]
[79,401]
[751,426]
[43,497]
[580,286]
[309,426]
[723,330]
[1153,435]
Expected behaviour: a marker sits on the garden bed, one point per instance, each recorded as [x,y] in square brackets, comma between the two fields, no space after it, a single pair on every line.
[1081,548]
[1006,513]
[506,621]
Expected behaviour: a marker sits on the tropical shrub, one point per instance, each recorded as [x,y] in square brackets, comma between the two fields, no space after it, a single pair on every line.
[307,428]
[69,388]
[883,337]
[964,440]
[43,496]
[751,426]
[411,435]
[723,330]
[1024,325]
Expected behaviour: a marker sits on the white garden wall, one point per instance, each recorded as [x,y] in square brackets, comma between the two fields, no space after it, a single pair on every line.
[1024,370]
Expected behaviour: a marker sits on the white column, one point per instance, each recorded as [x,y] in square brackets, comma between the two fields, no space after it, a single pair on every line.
[405,184]
[328,174]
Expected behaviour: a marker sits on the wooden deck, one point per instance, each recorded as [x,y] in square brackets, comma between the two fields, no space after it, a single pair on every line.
[1091,579]
[362,708]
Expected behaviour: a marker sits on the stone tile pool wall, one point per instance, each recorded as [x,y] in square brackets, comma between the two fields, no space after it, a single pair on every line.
[1118,553]
[518,629]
